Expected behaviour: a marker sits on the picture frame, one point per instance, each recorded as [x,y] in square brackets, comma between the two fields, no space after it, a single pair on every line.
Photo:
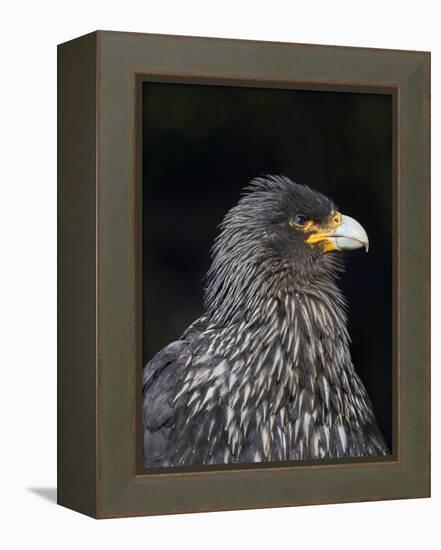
[100,470]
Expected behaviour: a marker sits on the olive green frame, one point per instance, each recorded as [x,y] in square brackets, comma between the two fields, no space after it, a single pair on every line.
[99,364]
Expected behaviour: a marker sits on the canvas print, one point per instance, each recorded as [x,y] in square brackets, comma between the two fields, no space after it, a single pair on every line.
[267,275]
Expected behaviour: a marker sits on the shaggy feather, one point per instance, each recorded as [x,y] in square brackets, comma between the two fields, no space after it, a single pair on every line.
[266,373]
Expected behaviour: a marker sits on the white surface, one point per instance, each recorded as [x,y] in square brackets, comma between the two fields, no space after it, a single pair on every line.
[29,34]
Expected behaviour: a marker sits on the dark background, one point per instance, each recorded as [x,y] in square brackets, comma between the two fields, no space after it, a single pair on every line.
[202,144]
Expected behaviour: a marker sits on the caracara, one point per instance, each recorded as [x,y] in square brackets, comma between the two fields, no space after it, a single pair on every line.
[266,373]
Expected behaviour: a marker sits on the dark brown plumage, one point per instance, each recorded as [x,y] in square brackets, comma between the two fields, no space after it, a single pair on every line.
[266,373]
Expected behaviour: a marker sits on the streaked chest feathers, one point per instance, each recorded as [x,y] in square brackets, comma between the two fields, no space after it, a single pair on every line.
[283,387]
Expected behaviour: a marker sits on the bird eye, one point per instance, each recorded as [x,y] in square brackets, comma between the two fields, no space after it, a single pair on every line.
[300,220]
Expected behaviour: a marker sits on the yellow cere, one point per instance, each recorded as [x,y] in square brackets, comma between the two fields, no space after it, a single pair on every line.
[322,233]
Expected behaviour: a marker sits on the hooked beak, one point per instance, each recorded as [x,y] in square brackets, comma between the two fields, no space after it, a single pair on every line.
[349,235]
[342,233]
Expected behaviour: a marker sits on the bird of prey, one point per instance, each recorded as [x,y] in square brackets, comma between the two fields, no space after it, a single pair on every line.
[266,373]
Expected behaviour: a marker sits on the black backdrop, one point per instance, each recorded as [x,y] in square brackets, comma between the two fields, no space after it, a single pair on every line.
[201,146]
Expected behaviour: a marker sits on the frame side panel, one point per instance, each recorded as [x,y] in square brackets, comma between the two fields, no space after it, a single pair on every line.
[77,274]
[414,275]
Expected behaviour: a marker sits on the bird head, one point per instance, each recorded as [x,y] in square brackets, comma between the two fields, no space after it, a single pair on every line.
[279,225]
[298,221]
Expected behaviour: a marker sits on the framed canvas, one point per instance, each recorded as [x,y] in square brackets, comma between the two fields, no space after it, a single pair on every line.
[224,340]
